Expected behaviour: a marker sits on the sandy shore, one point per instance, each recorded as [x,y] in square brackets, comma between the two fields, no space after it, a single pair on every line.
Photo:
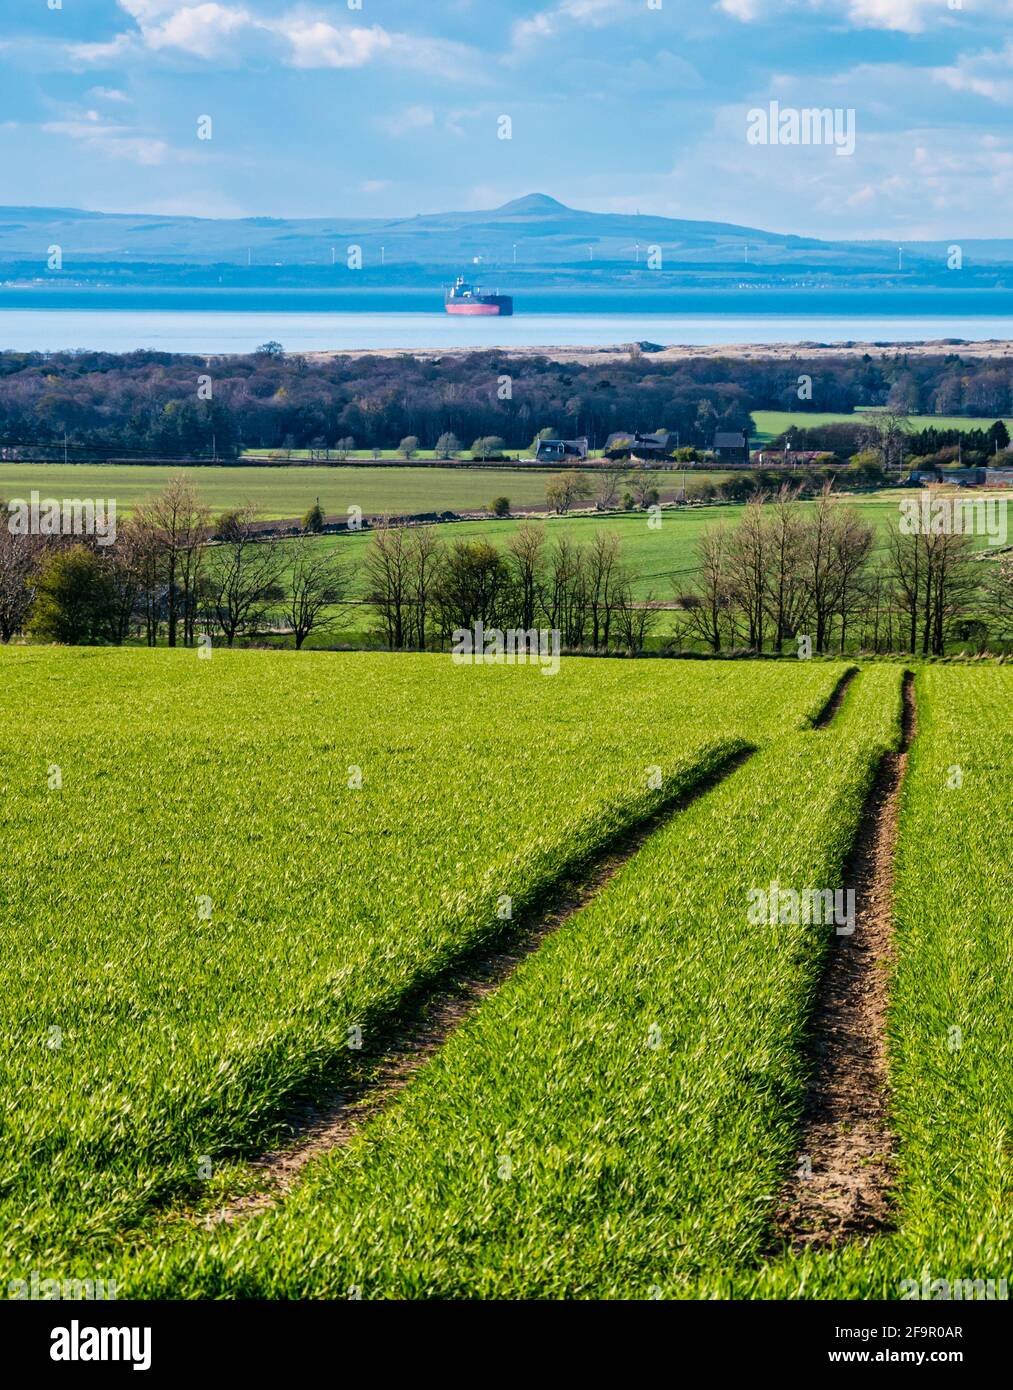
[778,352]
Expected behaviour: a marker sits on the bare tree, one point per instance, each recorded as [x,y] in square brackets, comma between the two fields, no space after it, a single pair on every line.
[317,585]
[426,554]
[605,576]
[178,522]
[388,573]
[749,565]
[785,593]
[564,491]
[524,555]
[243,579]
[999,597]
[609,477]
[708,606]
[19,556]
[563,593]
[635,619]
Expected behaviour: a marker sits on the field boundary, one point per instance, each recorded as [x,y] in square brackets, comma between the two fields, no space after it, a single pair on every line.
[436,1009]
[843,1187]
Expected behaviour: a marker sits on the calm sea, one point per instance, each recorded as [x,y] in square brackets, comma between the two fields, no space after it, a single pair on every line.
[216,322]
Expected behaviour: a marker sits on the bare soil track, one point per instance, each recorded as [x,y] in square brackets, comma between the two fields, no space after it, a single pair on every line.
[842,1189]
[427,1020]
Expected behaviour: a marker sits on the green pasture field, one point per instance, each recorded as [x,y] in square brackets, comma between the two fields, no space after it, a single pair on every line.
[663,557]
[772,423]
[616,1120]
[950,1045]
[216,871]
[289,492]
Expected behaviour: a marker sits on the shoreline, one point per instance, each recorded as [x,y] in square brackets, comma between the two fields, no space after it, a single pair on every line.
[999,349]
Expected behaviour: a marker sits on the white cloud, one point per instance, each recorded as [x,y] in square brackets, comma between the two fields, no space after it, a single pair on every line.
[981,74]
[316,44]
[117,142]
[212,30]
[902,16]
[412,118]
[107,94]
[103,54]
[198,29]
[545,23]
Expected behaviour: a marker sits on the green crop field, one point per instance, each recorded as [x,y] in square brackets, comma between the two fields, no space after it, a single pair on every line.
[308,838]
[290,491]
[226,880]
[772,423]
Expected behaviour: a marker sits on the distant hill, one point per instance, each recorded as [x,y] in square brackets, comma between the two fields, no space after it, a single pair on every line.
[534,239]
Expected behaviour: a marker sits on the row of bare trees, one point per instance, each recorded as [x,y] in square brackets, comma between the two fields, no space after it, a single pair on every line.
[790,569]
[172,573]
[422,589]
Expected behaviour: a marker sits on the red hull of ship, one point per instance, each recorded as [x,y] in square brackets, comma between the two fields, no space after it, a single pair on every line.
[473,308]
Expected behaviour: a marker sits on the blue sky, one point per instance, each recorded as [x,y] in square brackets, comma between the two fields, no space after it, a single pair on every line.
[385,107]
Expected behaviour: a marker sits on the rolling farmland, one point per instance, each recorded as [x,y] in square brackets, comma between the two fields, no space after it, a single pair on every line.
[366,827]
[295,891]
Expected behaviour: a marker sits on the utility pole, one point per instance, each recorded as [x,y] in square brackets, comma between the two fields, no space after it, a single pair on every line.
[65,446]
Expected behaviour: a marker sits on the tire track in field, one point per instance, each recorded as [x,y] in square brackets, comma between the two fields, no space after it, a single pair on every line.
[829,711]
[428,1019]
[846,1140]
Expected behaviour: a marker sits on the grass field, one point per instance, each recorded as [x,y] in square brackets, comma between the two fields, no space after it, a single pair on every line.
[664,1027]
[771,423]
[308,839]
[662,557]
[200,929]
[290,492]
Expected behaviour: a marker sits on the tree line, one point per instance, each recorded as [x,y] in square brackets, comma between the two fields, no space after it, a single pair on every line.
[173,405]
[790,571]
[814,571]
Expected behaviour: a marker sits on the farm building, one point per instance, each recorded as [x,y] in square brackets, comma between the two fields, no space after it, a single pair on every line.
[560,450]
[967,477]
[731,446]
[631,444]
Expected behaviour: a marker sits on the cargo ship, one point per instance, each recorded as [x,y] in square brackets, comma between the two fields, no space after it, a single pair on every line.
[463,298]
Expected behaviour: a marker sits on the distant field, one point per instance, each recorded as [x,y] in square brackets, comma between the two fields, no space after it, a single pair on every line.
[290,492]
[657,555]
[771,423]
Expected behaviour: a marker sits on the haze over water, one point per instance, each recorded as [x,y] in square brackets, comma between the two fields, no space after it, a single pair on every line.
[213,331]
